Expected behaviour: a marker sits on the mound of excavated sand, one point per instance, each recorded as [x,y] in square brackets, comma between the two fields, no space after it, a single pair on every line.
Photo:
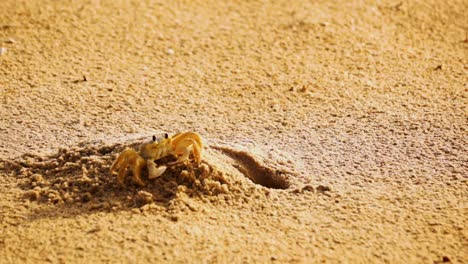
[81,176]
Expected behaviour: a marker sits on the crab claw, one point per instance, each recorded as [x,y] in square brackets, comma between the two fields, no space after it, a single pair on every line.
[153,171]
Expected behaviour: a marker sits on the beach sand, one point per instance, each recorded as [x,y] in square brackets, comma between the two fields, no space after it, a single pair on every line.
[334,131]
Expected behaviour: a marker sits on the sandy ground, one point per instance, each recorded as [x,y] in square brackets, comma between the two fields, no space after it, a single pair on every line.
[335,131]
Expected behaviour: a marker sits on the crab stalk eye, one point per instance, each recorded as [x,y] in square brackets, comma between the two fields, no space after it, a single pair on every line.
[154,138]
[166,135]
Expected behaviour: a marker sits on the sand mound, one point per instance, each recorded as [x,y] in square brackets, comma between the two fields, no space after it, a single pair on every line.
[80,176]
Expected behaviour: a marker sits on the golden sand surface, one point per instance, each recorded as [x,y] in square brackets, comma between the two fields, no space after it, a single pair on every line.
[334,131]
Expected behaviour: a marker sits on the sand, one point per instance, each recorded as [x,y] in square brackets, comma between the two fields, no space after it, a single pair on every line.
[334,131]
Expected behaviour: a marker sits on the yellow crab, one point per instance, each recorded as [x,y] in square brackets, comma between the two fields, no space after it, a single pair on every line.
[180,145]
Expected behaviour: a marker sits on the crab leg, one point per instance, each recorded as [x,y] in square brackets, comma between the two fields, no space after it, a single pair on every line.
[185,146]
[185,151]
[179,137]
[129,158]
[137,167]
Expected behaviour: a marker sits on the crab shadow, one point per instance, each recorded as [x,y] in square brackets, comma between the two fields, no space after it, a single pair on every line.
[115,198]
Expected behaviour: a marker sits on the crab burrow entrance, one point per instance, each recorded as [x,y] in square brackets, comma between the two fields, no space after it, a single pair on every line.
[252,169]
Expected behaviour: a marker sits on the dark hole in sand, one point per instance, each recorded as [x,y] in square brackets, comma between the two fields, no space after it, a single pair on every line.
[256,172]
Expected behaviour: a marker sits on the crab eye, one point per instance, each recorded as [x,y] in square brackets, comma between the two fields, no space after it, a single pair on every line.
[154,138]
[166,135]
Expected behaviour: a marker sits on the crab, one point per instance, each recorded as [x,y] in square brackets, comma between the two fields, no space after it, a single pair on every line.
[180,145]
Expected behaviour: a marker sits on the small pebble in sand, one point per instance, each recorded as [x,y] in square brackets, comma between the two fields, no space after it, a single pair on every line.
[182,188]
[144,197]
[224,188]
[52,194]
[32,195]
[36,178]
[204,170]
[184,174]
[3,51]
[170,51]
[85,178]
